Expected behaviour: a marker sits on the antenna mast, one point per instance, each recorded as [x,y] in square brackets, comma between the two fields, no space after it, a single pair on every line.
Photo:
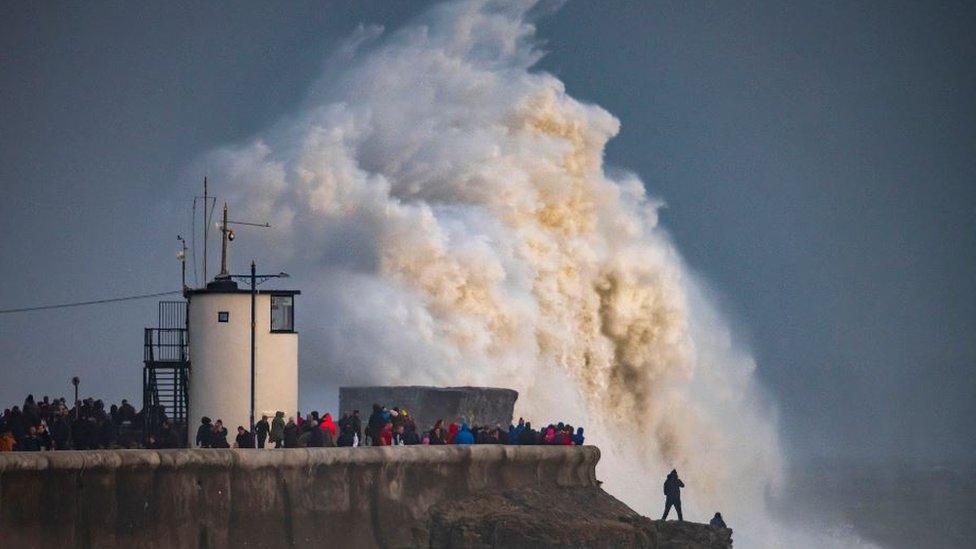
[181,255]
[226,235]
[206,222]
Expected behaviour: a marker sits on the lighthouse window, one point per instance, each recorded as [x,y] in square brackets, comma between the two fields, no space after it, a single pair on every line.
[282,313]
[223,316]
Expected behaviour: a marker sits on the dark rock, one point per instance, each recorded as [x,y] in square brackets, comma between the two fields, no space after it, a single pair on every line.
[560,517]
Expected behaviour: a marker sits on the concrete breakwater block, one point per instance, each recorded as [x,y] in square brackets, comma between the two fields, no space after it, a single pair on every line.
[473,405]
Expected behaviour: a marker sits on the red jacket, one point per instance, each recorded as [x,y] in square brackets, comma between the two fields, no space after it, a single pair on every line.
[328,424]
[386,435]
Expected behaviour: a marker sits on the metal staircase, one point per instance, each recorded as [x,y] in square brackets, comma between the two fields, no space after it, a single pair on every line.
[165,373]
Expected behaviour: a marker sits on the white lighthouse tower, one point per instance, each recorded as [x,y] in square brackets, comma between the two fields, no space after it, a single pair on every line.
[243,349]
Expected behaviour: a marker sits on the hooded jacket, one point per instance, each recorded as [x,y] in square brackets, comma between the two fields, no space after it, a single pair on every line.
[329,425]
[578,438]
[673,486]
[464,436]
[278,427]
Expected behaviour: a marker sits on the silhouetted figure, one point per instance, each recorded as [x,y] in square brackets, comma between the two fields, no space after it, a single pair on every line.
[167,437]
[672,493]
[278,429]
[437,436]
[244,439]
[30,443]
[717,521]
[375,425]
[291,434]
[61,432]
[126,412]
[346,435]
[316,436]
[357,425]
[204,433]
[261,429]
[218,437]
[527,436]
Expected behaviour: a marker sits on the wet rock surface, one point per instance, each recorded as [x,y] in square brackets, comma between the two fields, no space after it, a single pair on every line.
[560,517]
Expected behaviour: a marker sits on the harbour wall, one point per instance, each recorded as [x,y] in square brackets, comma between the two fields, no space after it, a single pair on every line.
[330,497]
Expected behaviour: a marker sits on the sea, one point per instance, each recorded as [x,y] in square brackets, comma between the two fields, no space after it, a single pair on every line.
[912,505]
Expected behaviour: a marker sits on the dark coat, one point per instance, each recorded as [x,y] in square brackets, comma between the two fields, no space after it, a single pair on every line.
[204,435]
[245,440]
[316,438]
[375,425]
[346,436]
[61,431]
[673,486]
[291,435]
[218,439]
[29,444]
[278,427]
[437,437]
[167,439]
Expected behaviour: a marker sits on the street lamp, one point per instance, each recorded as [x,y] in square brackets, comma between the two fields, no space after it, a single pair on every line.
[75,381]
[253,278]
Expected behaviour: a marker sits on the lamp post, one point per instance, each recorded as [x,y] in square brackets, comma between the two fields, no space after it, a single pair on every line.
[254,292]
[75,381]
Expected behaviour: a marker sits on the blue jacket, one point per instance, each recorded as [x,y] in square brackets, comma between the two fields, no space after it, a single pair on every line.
[578,438]
[464,436]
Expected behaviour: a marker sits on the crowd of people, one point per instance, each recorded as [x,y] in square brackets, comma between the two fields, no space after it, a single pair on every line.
[384,427]
[50,424]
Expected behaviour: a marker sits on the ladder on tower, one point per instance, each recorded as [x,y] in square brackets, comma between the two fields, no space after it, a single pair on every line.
[165,374]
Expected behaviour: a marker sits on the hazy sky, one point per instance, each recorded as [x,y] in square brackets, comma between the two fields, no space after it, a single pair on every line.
[817,160]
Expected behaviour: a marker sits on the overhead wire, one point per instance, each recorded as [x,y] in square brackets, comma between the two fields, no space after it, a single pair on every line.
[83,303]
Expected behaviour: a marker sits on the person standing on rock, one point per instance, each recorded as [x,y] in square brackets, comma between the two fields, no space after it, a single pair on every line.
[672,494]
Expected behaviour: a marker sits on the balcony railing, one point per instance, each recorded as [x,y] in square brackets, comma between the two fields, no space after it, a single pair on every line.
[166,345]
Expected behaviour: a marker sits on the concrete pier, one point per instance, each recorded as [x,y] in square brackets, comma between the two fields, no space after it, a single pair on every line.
[324,497]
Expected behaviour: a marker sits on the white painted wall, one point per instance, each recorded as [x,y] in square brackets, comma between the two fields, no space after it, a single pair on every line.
[220,362]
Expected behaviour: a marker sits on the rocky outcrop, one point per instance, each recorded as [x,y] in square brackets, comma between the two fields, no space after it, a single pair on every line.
[559,518]
[476,405]
[416,496]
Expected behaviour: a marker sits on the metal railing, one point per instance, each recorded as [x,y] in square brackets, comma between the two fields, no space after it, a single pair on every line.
[166,345]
